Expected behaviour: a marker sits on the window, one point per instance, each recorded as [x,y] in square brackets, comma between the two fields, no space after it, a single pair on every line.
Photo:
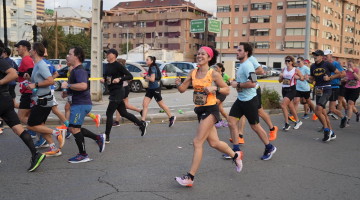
[295,45]
[236,20]
[262,45]
[114,35]
[259,32]
[295,31]
[279,32]
[261,6]
[244,32]
[296,18]
[296,4]
[225,33]
[114,46]
[226,20]
[245,8]
[279,19]
[223,9]
[236,9]
[245,20]
[235,46]
[236,33]
[314,32]
[280,5]
[260,19]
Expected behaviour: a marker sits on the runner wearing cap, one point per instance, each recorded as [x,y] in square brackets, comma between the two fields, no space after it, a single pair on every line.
[320,72]
[335,88]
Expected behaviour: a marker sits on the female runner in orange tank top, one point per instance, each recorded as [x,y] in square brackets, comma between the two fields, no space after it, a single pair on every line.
[207,111]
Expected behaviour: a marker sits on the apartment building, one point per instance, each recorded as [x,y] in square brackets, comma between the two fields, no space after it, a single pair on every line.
[72,20]
[21,15]
[40,9]
[163,24]
[277,28]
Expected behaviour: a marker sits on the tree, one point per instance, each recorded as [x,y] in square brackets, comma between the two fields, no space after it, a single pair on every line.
[123,48]
[82,40]
[48,36]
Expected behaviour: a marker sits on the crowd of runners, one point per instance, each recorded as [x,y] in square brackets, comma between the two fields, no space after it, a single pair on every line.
[329,81]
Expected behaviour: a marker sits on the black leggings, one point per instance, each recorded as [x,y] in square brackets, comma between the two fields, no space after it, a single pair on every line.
[119,106]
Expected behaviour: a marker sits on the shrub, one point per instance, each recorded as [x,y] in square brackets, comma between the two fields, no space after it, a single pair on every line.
[270,98]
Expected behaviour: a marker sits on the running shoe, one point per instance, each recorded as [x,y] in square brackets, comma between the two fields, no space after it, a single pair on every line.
[32,134]
[41,143]
[219,124]
[238,161]
[143,128]
[172,121]
[107,140]
[326,135]
[343,122]
[286,127]
[97,120]
[185,180]
[332,115]
[79,158]
[273,134]
[36,161]
[268,153]
[347,122]
[298,124]
[225,124]
[225,156]
[101,142]
[240,140]
[53,153]
[292,118]
[116,123]
[314,117]
[357,117]
[332,135]
[68,134]
[1,131]
[306,116]
[61,138]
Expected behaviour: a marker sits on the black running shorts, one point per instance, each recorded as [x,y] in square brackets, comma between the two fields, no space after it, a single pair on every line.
[25,101]
[247,108]
[38,115]
[203,112]
[334,94]
[7,112]
[156,93]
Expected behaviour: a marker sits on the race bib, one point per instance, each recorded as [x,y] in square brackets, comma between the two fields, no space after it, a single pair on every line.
[286,81]
[319,91]
[352,82]
[199,98]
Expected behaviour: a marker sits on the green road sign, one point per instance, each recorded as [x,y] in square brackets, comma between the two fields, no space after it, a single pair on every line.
[214,26]
[197,26]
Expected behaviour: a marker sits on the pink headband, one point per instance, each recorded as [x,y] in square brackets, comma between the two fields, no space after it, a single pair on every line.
[208,51]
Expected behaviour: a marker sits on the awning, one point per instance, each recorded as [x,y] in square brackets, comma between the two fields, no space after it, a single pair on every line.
[262,30]
[296,15]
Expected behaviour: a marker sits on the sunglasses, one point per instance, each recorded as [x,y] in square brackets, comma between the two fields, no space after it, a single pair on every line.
[298,61]
[287,60]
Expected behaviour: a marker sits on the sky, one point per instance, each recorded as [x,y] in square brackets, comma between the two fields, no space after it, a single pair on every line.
[208,5]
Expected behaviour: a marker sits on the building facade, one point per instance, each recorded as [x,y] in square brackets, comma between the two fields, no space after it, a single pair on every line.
[40,9]
[163,24]
[72,20]
[21,15]
[277,28]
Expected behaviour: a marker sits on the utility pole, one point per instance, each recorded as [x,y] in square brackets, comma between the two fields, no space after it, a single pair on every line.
[96,49]
[56,36]
[5,24]
[307,29]
[144,46]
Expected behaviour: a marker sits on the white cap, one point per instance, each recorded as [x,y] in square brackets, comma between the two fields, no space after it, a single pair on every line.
[327,52]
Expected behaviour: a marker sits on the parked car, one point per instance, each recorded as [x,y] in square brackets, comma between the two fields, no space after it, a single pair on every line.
[275,72]
[185,66]
[169,75]
[17,60]
[58,63]
[267,71]
[138,84]
[158,63]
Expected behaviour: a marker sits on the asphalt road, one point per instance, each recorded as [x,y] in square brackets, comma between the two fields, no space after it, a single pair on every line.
[134,167]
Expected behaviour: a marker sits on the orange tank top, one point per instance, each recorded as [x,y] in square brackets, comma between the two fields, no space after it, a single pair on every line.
[200,98]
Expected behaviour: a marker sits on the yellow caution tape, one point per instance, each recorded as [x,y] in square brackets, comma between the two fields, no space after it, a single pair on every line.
[135,78]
